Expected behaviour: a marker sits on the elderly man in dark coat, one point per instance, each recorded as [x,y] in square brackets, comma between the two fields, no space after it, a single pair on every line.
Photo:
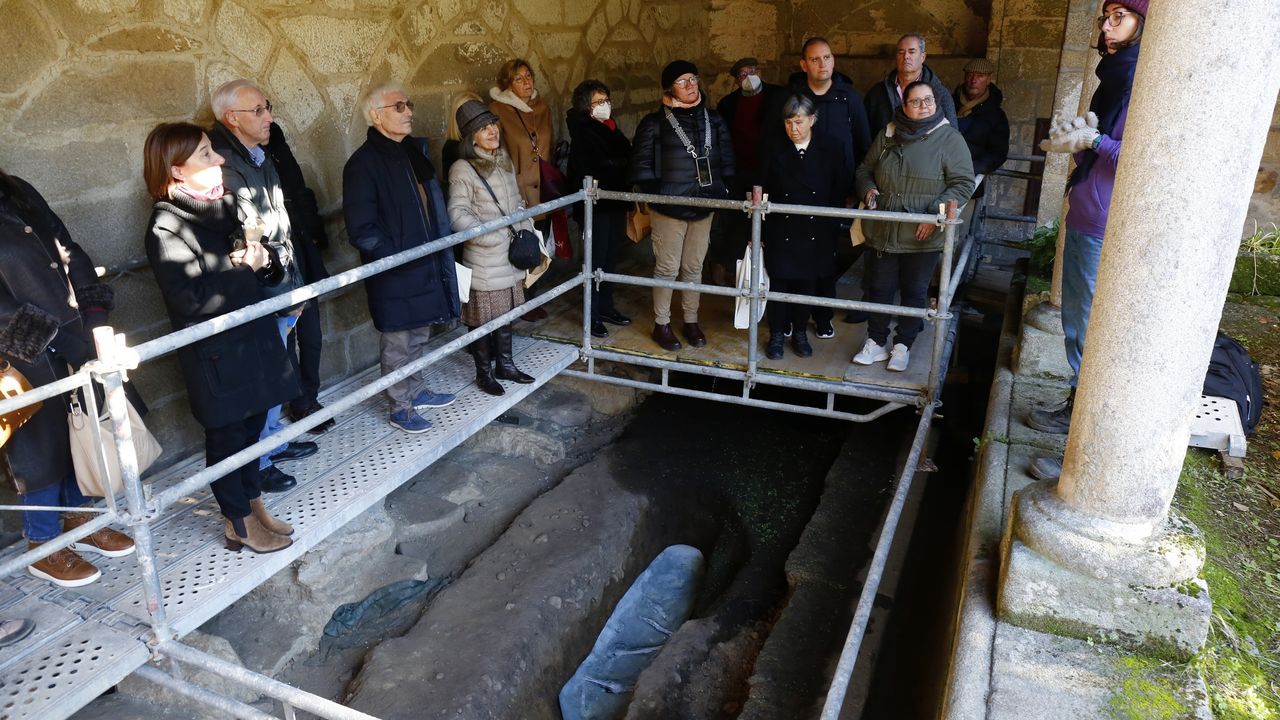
[393,202]
[981,120]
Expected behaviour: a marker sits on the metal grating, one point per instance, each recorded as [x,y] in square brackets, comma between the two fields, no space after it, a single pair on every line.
[1216,425]
[88,639]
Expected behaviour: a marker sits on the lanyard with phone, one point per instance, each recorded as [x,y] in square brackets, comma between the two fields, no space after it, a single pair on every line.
[702,162]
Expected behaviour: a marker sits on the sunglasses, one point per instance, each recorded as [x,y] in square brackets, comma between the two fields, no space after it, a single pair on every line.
[399,105]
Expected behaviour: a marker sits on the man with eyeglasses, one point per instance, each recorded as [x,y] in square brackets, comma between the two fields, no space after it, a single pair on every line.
[241,130]
[842,118]
[392,202]
[682,149]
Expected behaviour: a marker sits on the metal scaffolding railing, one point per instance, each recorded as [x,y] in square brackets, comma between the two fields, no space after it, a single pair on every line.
[141,508]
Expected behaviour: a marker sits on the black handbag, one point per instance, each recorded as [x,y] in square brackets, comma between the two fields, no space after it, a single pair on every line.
[525,251]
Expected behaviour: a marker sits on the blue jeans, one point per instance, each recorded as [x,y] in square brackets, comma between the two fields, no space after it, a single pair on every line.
[45,525]
[273,424]
[1080,256]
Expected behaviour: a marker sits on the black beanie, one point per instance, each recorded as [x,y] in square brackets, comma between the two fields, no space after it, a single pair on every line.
[674,70]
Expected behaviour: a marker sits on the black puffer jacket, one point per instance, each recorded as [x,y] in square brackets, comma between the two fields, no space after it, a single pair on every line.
[882,99]
[600,152]
[50,298]
[239,372]
[661,164]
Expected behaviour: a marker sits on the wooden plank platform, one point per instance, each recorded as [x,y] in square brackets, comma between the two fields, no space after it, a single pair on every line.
[88,639]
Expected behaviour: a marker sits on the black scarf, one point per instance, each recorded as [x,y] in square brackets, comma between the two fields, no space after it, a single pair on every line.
[908,130]
[1115,74]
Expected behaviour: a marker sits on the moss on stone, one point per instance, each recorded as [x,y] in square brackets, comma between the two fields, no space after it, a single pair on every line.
[1148,692]
[1238,661]
[1255,274]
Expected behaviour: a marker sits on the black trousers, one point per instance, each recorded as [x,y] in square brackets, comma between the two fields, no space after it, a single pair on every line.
[234,490]
[907,274]
[782,315]
[607,232]
[307,339]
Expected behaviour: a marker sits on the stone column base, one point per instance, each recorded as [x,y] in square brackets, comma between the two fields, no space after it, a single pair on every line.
[1080,583]
[1040,352]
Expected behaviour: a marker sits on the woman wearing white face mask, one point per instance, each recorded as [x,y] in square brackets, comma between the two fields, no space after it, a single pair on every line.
[599,149]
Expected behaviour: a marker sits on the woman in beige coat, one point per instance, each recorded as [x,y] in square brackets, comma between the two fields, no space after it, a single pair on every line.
[482,187]
[527,135]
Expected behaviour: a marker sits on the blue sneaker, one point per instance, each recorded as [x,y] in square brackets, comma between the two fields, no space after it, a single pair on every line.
[409,421]
[428,399]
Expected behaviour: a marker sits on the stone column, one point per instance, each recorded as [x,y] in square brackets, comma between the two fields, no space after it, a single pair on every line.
[1097,554]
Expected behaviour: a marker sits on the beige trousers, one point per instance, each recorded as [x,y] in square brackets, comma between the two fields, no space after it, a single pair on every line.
[679,247]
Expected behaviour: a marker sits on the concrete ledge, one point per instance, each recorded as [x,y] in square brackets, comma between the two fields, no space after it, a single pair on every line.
[1169,622]
[1041,354]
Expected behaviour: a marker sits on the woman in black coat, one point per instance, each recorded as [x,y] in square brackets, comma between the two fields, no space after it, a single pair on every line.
[799,249]
[599,149]
[205,267]
[50,299]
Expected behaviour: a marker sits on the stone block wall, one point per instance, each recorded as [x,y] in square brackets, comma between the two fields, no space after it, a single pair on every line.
[85,80]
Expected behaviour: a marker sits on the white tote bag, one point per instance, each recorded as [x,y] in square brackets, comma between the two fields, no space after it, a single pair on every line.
[742,305]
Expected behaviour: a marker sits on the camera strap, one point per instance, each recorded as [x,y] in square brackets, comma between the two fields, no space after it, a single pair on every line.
[688,146]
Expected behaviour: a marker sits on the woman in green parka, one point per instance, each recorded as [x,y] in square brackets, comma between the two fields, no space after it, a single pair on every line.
[917,162]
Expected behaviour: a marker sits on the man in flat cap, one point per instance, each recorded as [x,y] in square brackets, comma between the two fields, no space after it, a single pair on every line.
[981,119]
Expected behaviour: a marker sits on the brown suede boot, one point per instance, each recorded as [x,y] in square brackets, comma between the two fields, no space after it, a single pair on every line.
[255,537]
[106,541]
[275,525]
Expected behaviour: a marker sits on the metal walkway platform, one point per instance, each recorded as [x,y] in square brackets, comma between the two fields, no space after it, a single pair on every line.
[89,639]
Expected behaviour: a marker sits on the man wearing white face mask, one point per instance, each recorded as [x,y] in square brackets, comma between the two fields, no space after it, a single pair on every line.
[747,112]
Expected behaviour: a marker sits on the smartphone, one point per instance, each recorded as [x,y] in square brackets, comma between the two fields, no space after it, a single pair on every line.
[704,171]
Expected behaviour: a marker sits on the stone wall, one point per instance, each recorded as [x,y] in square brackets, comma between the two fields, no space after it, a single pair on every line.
[85,80]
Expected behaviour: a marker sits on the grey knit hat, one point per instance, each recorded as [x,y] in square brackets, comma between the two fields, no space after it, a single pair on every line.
[472,115]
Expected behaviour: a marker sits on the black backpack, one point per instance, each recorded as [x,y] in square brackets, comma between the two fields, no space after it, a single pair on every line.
[1233,374]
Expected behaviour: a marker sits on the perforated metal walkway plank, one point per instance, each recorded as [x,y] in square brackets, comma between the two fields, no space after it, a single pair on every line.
[89,639]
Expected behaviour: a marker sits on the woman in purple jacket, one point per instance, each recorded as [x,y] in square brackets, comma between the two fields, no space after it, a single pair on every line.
[1095,141]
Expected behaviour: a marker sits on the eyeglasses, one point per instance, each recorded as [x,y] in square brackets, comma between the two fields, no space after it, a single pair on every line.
[523,77]
[686,83]
[921,102]
[598,103]
[1115,17]
[745,72]
[257,111]
[399,105]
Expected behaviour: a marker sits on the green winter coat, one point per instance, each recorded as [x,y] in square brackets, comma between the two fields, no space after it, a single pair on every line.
[914,177]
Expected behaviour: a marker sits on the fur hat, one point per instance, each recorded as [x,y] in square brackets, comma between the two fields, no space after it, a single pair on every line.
[980,65]
[1138,6]
[674,70]
[471,116]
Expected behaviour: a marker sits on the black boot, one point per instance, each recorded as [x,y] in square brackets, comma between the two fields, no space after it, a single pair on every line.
[506,367]
[774,350]
[800,342]
[482,351]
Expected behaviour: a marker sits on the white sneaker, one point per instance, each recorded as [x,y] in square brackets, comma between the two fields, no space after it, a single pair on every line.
[871,353]
[899,358]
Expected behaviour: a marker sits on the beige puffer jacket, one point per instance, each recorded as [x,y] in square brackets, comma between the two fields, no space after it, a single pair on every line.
[470,204]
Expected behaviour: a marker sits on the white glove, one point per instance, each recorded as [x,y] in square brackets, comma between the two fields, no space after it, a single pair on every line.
[1071,136]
